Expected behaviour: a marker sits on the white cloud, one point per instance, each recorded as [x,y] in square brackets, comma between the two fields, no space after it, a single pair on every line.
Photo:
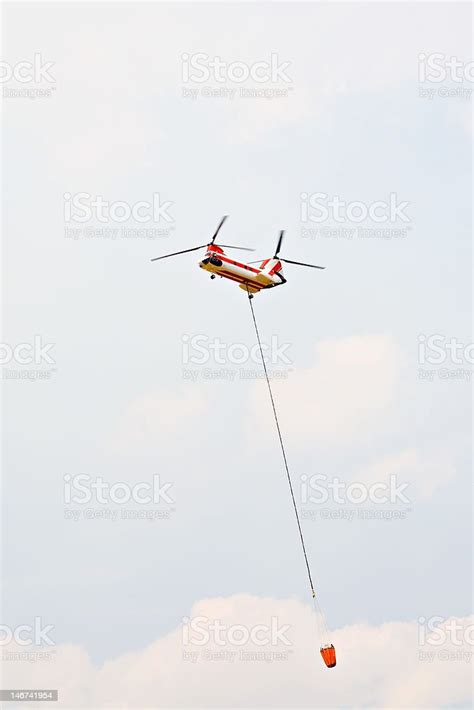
[339,398]
[378,666]
[424,472]
[154,418]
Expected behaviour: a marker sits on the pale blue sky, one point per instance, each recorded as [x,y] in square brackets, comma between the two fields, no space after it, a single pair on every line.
[117,125]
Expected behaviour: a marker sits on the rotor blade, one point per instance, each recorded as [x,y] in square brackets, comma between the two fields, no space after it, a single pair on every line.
[218,228]
[229,246]
[280,239]
[175,253]
[301,263]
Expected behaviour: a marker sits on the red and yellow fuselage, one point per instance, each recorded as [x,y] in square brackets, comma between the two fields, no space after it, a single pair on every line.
[250,278]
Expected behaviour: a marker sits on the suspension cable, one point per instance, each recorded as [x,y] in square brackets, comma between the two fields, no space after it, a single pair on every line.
[285,460]
[317,608]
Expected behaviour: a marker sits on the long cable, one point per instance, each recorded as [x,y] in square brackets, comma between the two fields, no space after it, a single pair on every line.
[287,469]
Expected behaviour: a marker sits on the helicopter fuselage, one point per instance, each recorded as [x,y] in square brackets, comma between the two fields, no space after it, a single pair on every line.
[250,278]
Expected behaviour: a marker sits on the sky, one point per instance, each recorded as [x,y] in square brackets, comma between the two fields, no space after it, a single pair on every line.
[144,499]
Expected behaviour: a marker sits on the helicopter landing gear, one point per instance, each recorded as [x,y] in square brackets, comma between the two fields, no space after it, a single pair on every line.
[213,276]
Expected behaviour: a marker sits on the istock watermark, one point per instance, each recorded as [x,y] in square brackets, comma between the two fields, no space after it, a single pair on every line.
[332,498]
[445,358]
[445,639]
[206,639]
[16,360]
[201,350]
[30,642]
[94,498]
[444,76]
[330,216]
[29,78]
[213,77]
[88,216]
[35,634]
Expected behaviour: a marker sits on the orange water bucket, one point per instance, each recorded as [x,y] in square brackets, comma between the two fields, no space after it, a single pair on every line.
[329,655]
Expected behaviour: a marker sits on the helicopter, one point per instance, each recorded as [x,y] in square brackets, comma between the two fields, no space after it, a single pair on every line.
[251,279]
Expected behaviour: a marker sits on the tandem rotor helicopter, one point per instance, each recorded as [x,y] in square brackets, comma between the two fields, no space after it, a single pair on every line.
[251,279]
